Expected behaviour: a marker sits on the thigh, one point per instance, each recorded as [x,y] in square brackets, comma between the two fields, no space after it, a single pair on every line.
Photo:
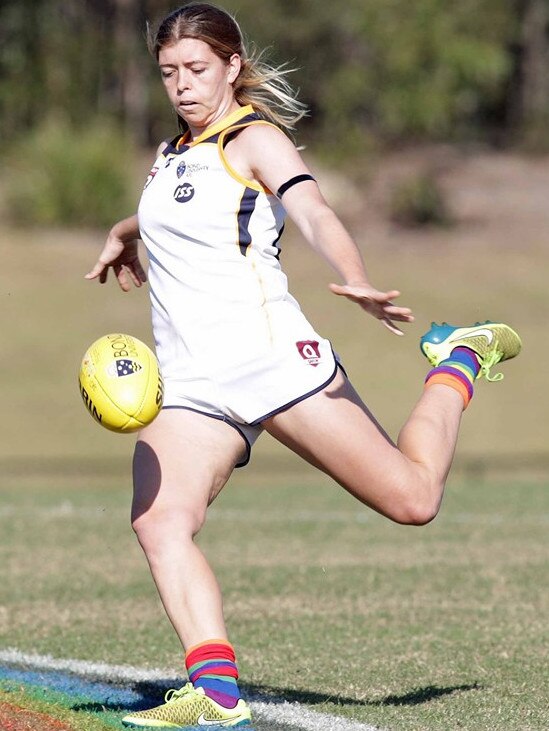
[181,462]
[335,431]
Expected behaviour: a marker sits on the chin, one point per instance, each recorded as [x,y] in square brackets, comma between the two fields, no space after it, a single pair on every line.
[194,118]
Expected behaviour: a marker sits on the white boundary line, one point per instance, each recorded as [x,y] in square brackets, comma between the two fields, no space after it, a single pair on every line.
[83,668]
[279,711]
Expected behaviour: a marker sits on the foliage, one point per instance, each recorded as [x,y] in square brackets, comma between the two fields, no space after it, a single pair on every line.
[419,201]
[435,67]
[426,68]
[58,176]
[383,69]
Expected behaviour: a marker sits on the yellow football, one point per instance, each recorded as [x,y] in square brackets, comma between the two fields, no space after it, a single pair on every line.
[120,383]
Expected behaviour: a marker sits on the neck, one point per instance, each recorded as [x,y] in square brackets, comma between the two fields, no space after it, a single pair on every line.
[224,110]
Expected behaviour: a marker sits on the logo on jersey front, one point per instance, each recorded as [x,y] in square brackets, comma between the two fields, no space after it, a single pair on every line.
[309,350]
[183,193]
[190,168]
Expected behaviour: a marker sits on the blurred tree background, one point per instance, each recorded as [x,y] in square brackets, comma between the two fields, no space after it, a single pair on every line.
[375,74]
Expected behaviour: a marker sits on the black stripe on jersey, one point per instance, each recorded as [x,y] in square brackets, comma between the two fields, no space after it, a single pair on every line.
[291,182]
[275,242]
[247,207]
[171,147]
[244,121]
[237,128]
[213,139]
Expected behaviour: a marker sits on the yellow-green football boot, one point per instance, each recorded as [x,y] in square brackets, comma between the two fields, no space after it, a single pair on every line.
[492,342]
[190,708]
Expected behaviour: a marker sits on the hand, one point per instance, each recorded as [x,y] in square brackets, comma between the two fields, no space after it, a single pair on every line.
[376,303]
[124,260]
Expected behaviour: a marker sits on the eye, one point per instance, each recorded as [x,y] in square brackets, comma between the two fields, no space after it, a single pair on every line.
[198,71]
[166,74]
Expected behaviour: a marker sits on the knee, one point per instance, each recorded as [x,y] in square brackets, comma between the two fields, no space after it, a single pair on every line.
[162,525]
[418,504]
[417,513]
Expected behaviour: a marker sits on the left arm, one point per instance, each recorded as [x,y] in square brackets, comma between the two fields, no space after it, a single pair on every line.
[273,160]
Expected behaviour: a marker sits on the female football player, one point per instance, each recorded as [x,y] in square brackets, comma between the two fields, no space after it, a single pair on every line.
[236,353]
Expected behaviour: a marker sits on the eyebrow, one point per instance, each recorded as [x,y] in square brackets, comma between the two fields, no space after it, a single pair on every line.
[187,63]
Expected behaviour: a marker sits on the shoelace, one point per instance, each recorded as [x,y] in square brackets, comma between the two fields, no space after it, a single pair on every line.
[489,360]
[173,694]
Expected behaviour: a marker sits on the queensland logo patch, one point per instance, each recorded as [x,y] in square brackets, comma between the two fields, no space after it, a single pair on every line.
[309,350]
[183,193]
[123,367]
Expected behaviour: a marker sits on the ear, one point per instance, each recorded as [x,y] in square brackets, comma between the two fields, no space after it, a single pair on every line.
[234,66]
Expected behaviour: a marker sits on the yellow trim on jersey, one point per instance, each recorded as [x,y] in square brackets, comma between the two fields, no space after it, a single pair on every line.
[253,184]
[182,140]
[219,126]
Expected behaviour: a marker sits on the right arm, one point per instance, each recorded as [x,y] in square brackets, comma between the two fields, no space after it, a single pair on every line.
[120,253]
[270,157]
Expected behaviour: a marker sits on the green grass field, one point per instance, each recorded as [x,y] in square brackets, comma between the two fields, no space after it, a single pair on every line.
[442,627]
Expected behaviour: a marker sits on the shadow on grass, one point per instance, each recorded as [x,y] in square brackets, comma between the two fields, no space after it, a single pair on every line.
[151,694]
[425,695]
[412,698]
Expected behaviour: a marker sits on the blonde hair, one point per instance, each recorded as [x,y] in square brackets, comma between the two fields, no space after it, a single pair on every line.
[263,86]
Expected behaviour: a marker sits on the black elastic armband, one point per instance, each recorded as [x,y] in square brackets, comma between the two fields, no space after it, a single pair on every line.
[291,182]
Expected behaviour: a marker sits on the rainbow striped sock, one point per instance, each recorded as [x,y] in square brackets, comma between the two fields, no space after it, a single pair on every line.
[211,665]
[459,371]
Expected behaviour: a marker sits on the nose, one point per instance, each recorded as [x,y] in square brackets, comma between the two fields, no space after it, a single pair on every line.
[183,80]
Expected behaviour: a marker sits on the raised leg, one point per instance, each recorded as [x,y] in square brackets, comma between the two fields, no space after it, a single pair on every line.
[336,432]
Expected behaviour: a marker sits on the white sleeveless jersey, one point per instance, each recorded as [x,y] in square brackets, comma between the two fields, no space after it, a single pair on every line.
[223,319]
[216,233]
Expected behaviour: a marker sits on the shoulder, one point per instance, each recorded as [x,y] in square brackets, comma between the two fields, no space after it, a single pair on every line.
[260,133]
[171,144]
[162,146]
[266,148]
[264,153]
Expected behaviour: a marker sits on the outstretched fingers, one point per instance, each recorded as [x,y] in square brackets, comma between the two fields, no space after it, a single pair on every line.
[127,273]
[376,303]
[99,270]
[136,272]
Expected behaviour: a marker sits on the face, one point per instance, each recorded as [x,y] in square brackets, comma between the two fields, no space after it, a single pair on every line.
[198,82]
